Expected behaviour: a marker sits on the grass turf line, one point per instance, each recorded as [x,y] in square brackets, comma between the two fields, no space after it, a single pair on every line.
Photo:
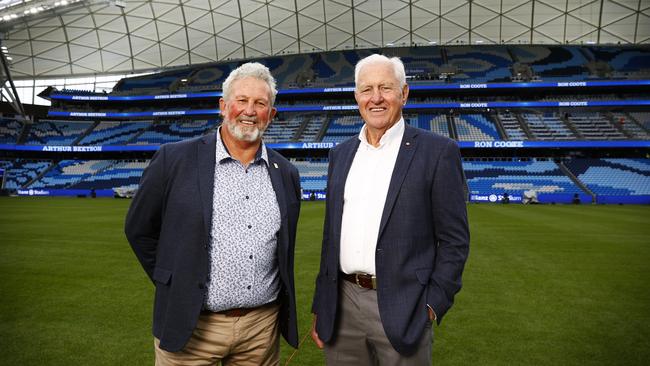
[544,285]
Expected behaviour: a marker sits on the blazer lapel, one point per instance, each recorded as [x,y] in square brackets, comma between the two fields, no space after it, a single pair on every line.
[404,158]
[206,160]
[340,176]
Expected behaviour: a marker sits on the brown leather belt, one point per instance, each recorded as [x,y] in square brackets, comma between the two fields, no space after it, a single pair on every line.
[231,313]
[361,280]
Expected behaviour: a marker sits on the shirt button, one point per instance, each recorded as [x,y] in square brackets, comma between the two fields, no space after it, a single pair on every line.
[250,226]
[248,287]
[251,257]
[247,197]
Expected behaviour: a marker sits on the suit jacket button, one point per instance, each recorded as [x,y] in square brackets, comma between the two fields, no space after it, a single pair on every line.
[201,286]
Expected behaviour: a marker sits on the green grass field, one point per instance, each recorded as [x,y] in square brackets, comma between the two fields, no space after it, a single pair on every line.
[544,285]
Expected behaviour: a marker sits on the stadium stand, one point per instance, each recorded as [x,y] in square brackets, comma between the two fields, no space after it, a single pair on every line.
[475,127]
[162,132]
[118,174]
[553,63]
[480,64]
[9,130]
[594,126]
[69,172]
[545,178]
[313,173]
[613,177]
[19,172]
[548,126]
[283,130]
[51,132]
[343,127]
[114,133]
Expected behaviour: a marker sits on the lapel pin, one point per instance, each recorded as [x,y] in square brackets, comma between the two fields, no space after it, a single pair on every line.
[408,143]
[275,165]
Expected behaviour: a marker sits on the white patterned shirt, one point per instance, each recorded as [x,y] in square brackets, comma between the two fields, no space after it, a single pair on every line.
[243,243]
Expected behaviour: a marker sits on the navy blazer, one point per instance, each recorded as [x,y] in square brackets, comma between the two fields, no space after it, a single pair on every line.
[168,226]
[423,239]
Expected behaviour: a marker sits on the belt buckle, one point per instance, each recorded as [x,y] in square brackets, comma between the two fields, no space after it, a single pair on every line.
[373,280]
[356,278]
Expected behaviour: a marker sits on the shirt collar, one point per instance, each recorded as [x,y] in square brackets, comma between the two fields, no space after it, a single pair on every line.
[222,153]
[394,133]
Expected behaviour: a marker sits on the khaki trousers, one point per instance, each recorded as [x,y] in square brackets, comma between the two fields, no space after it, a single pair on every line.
[360,339]
[249,340]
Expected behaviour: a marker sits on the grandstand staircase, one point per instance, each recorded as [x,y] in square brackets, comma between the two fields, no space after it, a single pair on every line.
[617,126]
[40,175]
[631,118]
[451,125]
[524,126]
[109,166]
[142,131]
[85,133]
[570,126]
[494,116]
[24,133]
[298,134]
[323,130]
[577,181]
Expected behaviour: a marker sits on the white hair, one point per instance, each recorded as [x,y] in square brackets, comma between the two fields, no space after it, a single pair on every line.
[250,69]
[395,62]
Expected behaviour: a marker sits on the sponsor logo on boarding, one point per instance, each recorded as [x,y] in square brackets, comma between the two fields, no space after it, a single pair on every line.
[33,192]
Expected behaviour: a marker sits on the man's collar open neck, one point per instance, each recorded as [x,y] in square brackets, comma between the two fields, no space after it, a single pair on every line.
[376,138]
[244,151]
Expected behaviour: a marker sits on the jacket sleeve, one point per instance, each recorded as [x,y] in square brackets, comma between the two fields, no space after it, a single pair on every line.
[452,231]
[144,218]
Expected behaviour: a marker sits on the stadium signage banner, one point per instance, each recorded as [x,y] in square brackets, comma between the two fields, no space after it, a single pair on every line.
[350,89]
[317,108]
[497,144]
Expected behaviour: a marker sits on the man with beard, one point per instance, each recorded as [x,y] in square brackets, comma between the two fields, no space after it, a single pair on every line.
[214,225]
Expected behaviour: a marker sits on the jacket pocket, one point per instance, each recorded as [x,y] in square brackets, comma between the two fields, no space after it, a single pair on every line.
[162,276]
[423,275]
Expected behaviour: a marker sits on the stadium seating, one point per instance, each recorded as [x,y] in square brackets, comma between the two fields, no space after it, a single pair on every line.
[48,132]
[627,177]
[594,126]
[9,130]
[118,174]
[172,131]
[20,172]
[516,177]
[283,128]
[553,63]
[512,127]
[313,173]
[475,127]
[343,127]
[630,126]
[114,133]
[548,126]
[312,127]
[68,172]
[480,64]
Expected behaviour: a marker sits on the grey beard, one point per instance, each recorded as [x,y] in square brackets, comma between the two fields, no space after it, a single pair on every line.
[239,133]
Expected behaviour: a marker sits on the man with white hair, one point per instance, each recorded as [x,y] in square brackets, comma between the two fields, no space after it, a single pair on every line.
[214,225]
[396,238]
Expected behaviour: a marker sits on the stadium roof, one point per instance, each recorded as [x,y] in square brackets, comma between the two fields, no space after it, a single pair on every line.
[48,38]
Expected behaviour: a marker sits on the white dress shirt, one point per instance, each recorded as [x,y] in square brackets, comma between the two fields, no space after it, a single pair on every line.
[366,188]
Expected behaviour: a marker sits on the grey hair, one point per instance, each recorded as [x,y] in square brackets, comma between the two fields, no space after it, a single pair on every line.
[250,69]
[395,62]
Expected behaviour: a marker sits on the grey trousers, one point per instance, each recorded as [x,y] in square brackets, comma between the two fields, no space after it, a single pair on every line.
[360,338]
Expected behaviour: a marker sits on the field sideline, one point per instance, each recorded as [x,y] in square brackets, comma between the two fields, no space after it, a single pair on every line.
[544,285]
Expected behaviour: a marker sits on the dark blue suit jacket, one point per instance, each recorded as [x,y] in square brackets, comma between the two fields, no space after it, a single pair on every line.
[168,227]
[423,239]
